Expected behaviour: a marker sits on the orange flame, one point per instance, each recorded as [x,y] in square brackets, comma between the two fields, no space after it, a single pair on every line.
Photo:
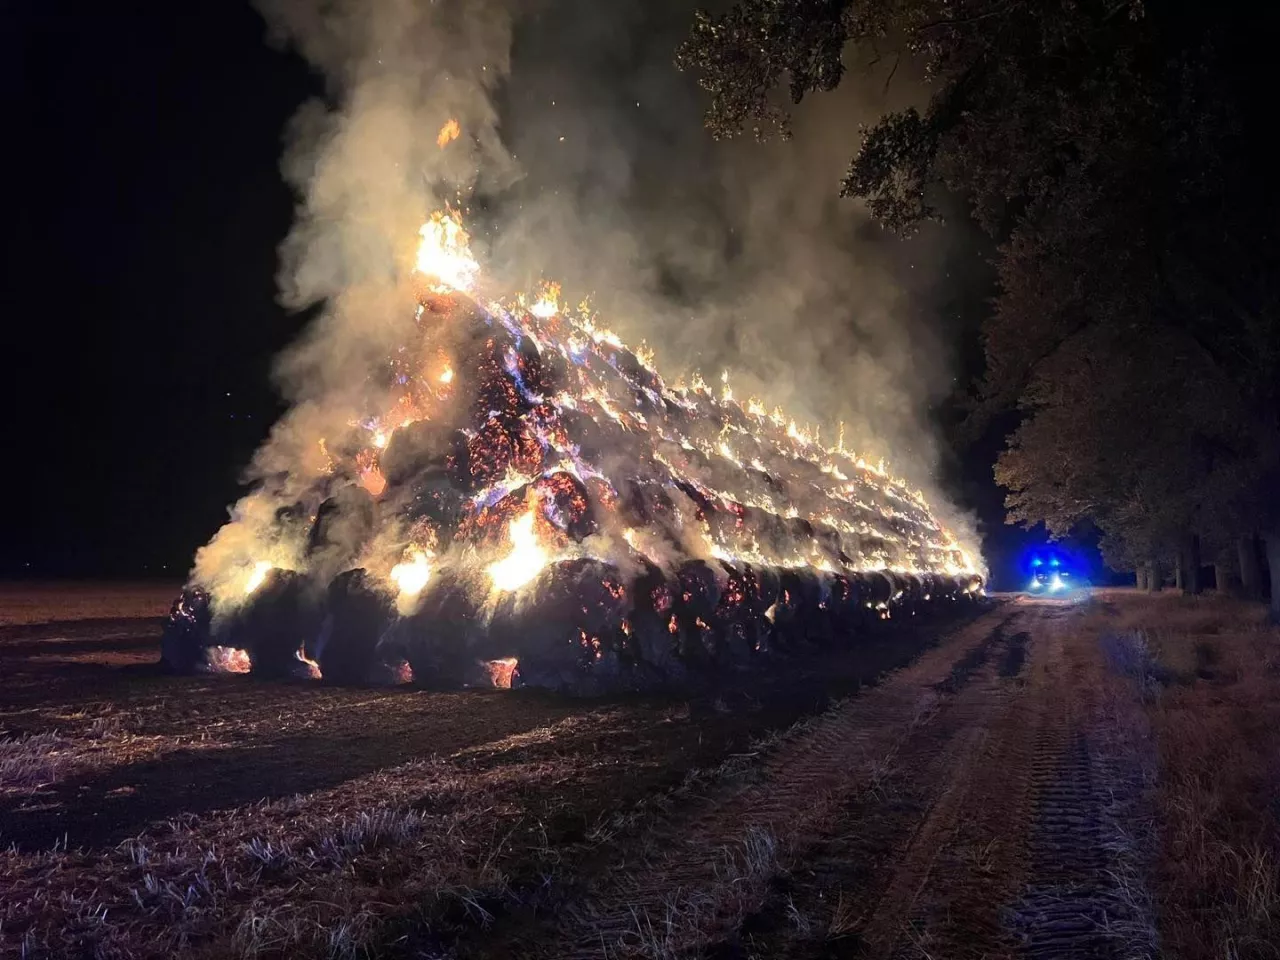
[448,133]
[257,576]
[373,481]
[444,253]
[501,672]
[548,303]
[410,576]
[526,559]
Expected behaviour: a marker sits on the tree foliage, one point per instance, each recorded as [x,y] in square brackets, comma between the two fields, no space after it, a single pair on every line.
[1115,153]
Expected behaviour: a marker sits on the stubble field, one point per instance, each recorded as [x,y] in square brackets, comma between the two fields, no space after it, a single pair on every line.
[1042,779]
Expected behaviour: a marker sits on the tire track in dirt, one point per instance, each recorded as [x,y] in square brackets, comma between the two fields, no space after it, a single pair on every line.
[945,880]
[1028,822]
[924,865]
[1074,905]
[967,857]
[1064,912]
[681,864]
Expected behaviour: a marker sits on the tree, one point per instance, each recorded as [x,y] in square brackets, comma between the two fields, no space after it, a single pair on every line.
[1114,154]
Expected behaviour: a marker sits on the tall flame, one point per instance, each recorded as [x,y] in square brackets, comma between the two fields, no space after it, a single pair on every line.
[526,559]
[257,576]
[444,253]
[410,576]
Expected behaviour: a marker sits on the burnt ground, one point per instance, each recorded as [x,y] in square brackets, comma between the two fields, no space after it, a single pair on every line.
[971,788]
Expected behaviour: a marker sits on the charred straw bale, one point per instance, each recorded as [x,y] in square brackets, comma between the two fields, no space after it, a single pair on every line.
[672,530]
[359,610]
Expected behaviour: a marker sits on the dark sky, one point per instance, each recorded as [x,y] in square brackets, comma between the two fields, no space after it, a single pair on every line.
[144,213]
[141,317]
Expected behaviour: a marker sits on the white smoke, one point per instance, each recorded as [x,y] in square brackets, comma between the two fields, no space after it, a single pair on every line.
[736,255]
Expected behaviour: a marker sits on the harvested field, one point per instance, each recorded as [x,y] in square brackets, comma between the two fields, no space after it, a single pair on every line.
[1046,779]
[40,603]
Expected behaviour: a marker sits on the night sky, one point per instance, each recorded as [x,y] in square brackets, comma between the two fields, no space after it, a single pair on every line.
[140,296]
[141,316]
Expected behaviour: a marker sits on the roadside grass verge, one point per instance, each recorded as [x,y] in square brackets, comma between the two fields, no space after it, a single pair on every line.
[1220,800]
[1209,673]
[1168,613]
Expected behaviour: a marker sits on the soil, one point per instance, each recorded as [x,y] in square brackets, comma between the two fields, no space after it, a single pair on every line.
[199,744]
[941,789]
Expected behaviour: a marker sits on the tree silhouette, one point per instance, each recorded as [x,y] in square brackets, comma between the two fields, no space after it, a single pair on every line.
[1117,155]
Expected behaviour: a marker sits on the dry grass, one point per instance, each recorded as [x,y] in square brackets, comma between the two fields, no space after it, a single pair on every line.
[341,873]
[1221,865]
[1125,767]
[329,875]
[28,763]
[1168,613]
[1131,654]
[692,921]
[1215,720]
[83,741]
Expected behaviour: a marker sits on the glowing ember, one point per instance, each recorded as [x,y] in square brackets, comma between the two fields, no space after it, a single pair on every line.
[501,672]
[526,559]
[448,133]
[227,660]
[257,576]
[373,481]
[309,668]
[445,253]
[446,375]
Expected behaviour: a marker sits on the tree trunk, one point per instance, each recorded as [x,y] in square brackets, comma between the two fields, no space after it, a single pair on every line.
[1153,576]
[1222,577]
[1179,571]
[1273,560]
[1250,575]
[1189,565]
[1141,577]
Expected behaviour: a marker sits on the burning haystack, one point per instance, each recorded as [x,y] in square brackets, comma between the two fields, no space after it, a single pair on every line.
[526,501]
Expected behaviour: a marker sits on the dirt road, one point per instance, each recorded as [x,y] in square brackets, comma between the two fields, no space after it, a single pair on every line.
[971,806]
[947,792]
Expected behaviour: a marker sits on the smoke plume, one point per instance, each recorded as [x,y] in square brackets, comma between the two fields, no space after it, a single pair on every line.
[733,255]
[582,158]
